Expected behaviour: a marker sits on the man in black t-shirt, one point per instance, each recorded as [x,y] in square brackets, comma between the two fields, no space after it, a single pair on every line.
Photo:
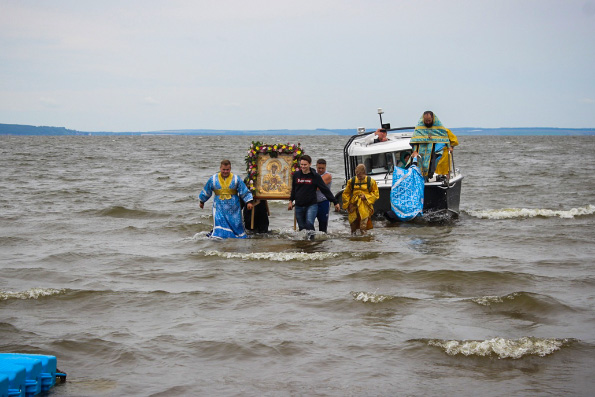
[303,191]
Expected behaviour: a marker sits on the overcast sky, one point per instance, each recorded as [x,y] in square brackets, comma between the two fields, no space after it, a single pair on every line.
[268,64]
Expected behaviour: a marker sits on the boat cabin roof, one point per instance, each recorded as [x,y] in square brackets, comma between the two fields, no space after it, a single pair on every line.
[396,142]
[379,157]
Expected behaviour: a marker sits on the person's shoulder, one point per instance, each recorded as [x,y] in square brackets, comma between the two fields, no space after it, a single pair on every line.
[319,177]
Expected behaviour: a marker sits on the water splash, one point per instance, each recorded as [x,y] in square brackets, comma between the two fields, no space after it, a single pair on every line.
[272,256]
[33,293]
[511,213]
[371,297]
[501,347]
[491,299]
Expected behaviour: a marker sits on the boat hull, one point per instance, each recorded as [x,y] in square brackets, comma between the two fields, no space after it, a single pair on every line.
[440,201]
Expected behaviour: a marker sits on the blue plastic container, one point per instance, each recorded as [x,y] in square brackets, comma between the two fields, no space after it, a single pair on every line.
[17,377]
[33,370]
[48,367]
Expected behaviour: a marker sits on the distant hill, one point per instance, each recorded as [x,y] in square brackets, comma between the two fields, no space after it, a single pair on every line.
[17,129]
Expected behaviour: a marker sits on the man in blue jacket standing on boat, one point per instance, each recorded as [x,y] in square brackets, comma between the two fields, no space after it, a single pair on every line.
[303,191]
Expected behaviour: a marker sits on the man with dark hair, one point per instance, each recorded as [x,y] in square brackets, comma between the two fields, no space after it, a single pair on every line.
[434,144]
[428,117]
[442,150]
[324,204]
[378,136]
[227,214]
[303,191]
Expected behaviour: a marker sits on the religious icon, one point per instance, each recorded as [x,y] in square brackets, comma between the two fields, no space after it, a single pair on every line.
[274,177]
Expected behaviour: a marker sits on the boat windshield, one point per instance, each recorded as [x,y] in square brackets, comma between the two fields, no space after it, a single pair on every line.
[381,163]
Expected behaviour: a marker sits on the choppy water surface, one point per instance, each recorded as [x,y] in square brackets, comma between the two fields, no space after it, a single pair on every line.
[105,263]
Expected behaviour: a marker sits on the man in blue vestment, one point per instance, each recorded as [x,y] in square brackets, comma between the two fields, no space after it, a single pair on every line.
[407,191]
[429,135]
[227,214]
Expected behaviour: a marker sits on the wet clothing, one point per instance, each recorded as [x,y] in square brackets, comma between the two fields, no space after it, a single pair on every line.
[227,214]
[303,191]
[261,217]
[324,206]
[322,214]
[305,217]
[360,211]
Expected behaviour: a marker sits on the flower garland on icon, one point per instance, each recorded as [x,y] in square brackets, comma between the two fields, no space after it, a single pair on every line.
[257,148]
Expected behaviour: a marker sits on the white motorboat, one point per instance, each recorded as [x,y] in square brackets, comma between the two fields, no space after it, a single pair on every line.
[441,193]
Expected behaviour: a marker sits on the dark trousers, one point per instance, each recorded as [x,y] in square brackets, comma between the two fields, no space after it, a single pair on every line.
[322,215]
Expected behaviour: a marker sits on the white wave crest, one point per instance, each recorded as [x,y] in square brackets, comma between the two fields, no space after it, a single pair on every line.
[490,299]
[501,347]
[370,297]
[273,256]
[33,293]
[510,213]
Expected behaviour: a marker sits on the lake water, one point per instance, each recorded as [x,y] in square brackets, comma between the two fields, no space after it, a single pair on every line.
[105,263]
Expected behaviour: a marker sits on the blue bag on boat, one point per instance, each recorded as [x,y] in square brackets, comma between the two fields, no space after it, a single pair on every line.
[407,193]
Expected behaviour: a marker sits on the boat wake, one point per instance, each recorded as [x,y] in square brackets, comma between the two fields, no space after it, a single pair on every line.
[512,213]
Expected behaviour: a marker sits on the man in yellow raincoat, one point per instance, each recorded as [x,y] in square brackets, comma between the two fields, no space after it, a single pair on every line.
[358,199]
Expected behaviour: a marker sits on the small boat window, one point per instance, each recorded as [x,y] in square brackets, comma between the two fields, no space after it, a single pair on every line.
[379,163]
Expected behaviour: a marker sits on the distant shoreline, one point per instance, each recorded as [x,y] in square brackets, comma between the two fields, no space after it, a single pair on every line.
[24,130]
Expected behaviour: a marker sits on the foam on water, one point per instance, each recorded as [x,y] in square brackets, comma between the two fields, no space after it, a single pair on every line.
[511,213]
[371,297]
[489,300]
[32,293]
[501,347]
[272,256]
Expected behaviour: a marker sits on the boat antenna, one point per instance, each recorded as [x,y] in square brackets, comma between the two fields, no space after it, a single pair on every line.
[382,125]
